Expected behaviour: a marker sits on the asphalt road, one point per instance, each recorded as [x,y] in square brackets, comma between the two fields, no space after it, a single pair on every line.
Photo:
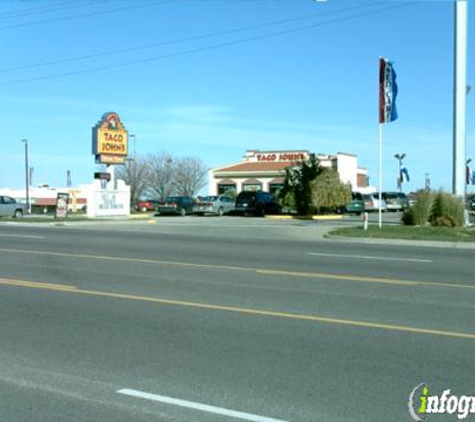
[226,319]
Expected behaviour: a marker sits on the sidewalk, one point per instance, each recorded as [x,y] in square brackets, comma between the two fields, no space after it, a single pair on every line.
[401,242]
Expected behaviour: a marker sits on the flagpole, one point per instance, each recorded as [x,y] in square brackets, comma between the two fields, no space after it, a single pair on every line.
[380,175]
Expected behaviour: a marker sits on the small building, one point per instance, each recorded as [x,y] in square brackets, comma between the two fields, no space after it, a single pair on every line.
[43,197]
[265,170]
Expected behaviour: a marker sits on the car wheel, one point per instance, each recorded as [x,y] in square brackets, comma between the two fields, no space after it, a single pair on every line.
[183,212]
[220,212]
[18,214]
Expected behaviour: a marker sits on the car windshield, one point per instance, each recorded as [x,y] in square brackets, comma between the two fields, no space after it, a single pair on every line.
[210,198]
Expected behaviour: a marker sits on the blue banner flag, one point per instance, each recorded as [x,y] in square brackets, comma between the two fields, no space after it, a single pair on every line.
[470,176]
[387,92]
[404,174]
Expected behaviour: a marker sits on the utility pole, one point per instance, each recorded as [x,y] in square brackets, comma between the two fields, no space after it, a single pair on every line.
[27,178]
[135,146]
[460,96]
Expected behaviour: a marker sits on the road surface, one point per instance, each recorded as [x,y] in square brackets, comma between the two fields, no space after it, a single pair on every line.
[226,319]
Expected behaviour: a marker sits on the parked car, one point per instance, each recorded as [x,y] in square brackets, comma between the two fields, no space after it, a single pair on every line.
[11,208]
[147,205]
[396,201]
[471,202]
[356,205]
[257,203]
[181,205]
[218,205]
[371,202]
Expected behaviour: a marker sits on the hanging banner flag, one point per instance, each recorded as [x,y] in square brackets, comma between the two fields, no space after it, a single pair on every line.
[387,92]
[404,174]
[470,176]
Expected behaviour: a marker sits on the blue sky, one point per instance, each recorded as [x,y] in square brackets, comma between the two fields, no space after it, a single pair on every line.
[302,75]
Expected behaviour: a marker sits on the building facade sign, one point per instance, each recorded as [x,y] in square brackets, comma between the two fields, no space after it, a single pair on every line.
[266,170]
[283,157]
[110,140]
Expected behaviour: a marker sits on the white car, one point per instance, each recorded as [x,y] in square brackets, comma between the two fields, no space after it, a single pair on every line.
[371,202]
[218,205]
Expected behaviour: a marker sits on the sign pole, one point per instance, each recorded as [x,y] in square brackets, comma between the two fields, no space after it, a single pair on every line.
[380,175]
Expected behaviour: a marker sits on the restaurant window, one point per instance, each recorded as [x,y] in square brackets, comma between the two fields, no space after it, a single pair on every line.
[252,187]
[222,189]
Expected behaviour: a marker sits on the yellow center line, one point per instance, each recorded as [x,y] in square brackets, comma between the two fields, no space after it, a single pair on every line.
[239,310]
[36,284]
[280,273]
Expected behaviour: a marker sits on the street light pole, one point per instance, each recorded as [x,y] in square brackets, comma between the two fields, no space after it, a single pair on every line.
[27,178]
[135,146]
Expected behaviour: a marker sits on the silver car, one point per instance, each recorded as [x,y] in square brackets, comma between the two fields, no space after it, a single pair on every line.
[218,205]
[11,208]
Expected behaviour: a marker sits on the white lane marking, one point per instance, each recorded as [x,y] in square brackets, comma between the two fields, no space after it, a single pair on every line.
[28,236]
[197,406]
[370,257]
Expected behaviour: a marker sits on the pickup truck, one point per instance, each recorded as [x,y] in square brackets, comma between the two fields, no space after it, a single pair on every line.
[11,208]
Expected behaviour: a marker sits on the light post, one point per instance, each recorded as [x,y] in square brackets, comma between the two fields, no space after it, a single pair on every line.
[27,179]
[135,146]
[399,157]
[427,181]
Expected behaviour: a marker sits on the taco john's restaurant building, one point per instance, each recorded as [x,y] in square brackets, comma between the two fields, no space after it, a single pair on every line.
[265,170]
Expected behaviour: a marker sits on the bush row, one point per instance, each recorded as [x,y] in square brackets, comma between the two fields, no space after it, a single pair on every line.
[435,208]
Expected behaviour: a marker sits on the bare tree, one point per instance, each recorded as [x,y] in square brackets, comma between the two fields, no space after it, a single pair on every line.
[190,175]
[134,174]
[160,174]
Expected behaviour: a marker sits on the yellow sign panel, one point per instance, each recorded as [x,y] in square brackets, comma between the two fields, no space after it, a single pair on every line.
[109,137]
[112,142]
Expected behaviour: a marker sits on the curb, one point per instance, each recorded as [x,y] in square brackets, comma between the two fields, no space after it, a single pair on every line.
[402,242]
[311,217]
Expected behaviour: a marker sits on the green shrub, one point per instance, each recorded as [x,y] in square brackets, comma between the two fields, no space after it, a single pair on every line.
[447,210]
[328,193]
[419,213]
[287,201]
[297,183]
[438,209]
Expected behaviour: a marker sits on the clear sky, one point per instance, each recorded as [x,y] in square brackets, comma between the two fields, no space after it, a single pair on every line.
[212,78]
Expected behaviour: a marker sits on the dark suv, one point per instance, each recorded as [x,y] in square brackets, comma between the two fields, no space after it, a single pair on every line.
[181,205]
[257,203]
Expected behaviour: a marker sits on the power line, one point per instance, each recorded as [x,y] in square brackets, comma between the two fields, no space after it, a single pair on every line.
[85,15]
[206,48]
[186,39]
[37,9]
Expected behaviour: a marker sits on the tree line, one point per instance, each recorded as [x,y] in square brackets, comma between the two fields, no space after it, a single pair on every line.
[161,174]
